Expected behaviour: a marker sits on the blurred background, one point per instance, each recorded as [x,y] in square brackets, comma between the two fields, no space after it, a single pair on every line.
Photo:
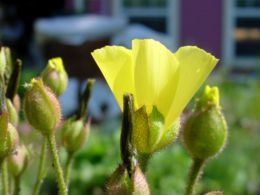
[230,30]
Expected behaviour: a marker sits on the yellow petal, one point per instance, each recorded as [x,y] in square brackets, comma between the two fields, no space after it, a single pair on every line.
[155,74]
[115,62]
[195,66]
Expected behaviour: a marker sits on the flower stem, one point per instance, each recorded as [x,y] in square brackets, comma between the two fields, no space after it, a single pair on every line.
[128,153]
[69,163]
[57,166]
[195,171]
[17,181]
[5,180]
[41,170]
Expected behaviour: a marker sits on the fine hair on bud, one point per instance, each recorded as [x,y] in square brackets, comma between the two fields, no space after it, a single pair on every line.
[41,107]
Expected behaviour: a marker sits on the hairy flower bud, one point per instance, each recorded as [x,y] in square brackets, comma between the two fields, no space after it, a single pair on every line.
[140,185]
[150,133]
[41,107]
[205,131]
[121,183]
[17,162]
[74,134]
[55,76]
[13,115]
[118,182]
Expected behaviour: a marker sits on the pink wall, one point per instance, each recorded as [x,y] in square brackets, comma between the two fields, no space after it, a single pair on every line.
[201,24]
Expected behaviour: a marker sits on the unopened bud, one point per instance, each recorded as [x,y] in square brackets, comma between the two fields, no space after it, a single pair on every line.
[140,185]
[74,134]
[17,162]
[205,131]
[41,107]
[55,76]
[118,182]
[9,142]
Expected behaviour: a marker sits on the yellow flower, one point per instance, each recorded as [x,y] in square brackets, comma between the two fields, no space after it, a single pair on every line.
[155,76]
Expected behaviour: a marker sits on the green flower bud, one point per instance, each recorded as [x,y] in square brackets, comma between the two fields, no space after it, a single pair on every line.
[9,137]
[13,115]
[205,131]
[118,182]
[17,162]
[140,185]
[149,133]
[55,76]
[74,134]
[41,107]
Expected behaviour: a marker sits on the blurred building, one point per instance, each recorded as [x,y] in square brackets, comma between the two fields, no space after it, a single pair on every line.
[229,29]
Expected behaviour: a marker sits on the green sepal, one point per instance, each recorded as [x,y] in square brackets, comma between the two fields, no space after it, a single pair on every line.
[149,133]
[13,115]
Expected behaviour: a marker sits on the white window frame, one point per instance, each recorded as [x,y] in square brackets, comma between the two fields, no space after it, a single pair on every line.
[231,12]
[170,12]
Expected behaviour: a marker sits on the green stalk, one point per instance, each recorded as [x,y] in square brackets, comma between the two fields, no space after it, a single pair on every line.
[17,181]
[41,170]
[69,163]
[195,172]
[5,180]
[57,166]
